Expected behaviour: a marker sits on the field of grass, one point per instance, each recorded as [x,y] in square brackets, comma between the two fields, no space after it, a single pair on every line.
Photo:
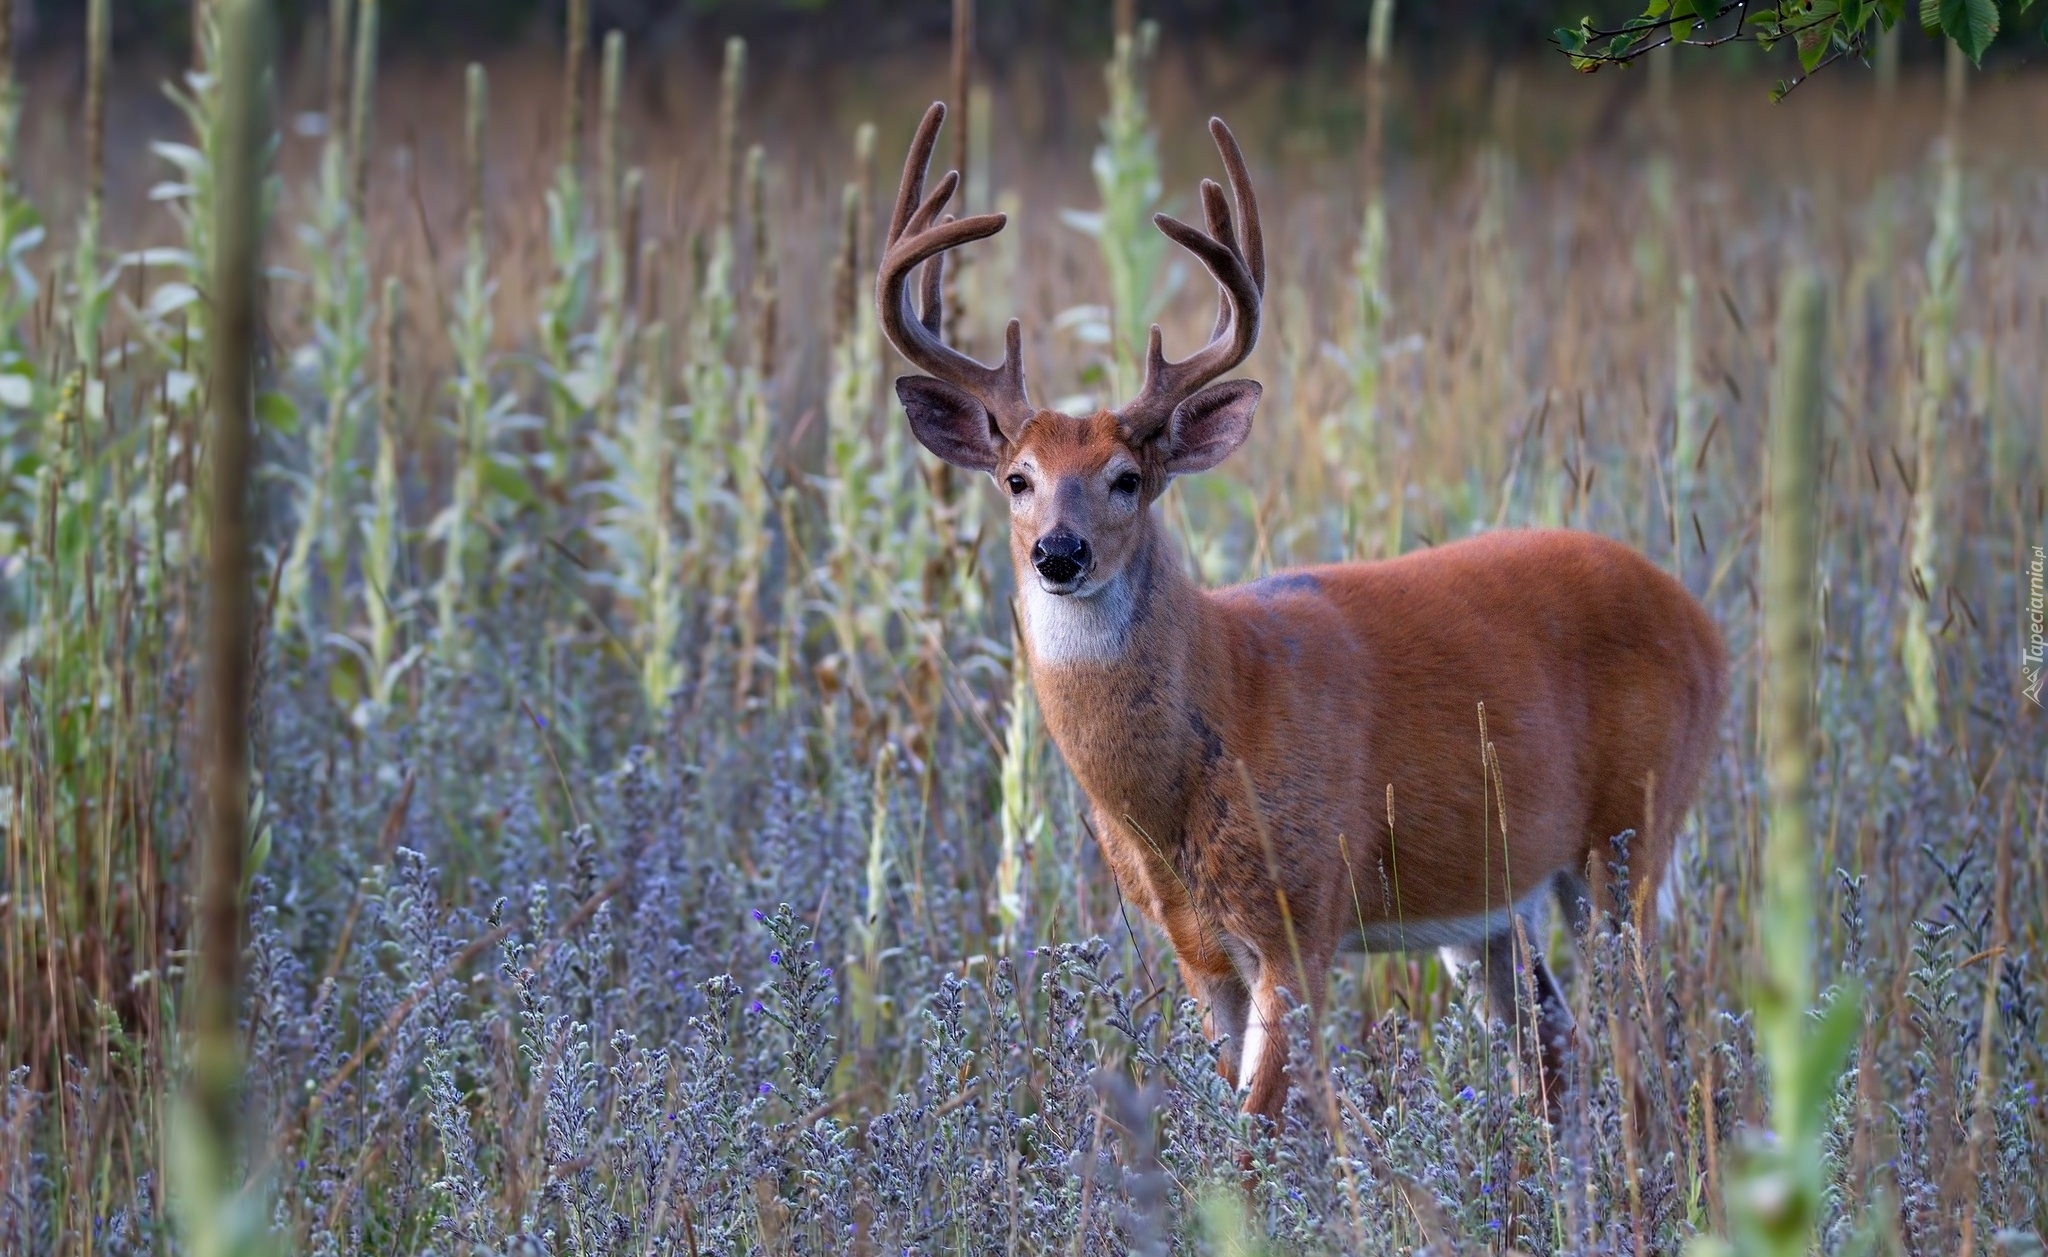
[653,847]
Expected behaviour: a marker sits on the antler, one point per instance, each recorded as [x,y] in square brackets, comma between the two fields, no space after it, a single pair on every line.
[1240,272]
[914,237]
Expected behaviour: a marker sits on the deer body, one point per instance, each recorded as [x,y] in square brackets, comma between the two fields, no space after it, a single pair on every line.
[1602,684]
[1238,746]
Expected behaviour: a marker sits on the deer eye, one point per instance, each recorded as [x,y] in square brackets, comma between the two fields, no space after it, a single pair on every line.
[1018,484]
[1126,483]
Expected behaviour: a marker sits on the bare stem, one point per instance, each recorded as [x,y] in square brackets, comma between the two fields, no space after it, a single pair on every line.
[238,236]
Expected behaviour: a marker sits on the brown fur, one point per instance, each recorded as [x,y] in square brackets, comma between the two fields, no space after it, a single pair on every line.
[1600,675]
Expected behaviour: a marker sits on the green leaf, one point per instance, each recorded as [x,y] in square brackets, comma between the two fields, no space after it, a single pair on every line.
[1683,15]
[508,482]
[1973,24]
[259,855]
[1813,40]
[1827,1046]
[277,412]
[1930,16]
[1567,39]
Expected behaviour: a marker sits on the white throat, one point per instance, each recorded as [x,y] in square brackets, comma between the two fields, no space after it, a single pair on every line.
[1093,626]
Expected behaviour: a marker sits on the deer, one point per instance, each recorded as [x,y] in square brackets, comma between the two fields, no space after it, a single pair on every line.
[1291,768]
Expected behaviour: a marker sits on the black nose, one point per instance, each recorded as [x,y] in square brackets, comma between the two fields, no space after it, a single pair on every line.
[1060,557]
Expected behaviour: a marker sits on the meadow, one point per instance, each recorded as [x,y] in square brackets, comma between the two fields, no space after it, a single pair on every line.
[652,843]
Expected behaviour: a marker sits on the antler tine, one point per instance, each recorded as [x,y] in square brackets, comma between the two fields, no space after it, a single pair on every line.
[1236,256]
[911,189]
[1216,213]
[919,236]
[932,310]
[1254,250]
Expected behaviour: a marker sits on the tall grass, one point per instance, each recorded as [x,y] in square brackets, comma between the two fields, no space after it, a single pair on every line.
[650,845]
[219,1213]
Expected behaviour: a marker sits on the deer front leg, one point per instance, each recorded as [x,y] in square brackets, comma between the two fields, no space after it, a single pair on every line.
[1263,1078]
[1225,1003]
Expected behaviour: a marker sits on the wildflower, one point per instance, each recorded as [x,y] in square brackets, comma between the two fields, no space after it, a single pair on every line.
[766,1088]
[754,1007]
[1466,1095]
[759,915]
[775,956]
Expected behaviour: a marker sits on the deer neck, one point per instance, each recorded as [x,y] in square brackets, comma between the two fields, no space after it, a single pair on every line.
[1114,675]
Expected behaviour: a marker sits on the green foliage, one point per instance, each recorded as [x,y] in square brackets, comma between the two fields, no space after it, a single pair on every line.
[1126,169]
[1823,31]
[1775,1199]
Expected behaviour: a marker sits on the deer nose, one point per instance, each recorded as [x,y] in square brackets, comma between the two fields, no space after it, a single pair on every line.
[1061,557]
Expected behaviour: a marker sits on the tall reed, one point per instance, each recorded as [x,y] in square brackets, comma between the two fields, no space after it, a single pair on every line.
[218,1219]
[572,250]
[335,242]
[1126,170]
[1775,1202]
[90,288]
[1354,447]
[1925,565]
[475,410]
[381,524]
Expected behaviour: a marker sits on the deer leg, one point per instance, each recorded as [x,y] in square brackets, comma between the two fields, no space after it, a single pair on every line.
[1226,1003]
[1264,1077]
[1557,1034]
[1574,900]
[1512,978]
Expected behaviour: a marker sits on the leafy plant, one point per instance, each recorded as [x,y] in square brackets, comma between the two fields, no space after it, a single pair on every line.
[1822,31]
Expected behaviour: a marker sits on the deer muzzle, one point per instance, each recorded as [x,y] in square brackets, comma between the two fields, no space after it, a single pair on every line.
[1063,561]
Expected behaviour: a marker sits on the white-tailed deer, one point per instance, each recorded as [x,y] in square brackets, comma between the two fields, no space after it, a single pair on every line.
[1311,739]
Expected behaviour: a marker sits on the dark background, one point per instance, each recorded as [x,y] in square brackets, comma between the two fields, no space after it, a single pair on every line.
[804,29]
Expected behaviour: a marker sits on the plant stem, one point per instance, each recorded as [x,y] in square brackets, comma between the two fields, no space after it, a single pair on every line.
[238,235]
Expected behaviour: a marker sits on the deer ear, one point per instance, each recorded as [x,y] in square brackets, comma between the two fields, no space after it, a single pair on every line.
[1208,427]
[949,422]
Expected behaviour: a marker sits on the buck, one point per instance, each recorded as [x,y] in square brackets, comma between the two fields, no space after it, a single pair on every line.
[1292,767]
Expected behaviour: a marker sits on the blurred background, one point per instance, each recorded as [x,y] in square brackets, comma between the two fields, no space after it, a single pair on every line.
[825,29]
[604,580]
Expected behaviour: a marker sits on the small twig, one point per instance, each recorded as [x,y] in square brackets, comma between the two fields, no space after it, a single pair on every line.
[548,744]
[1823,64]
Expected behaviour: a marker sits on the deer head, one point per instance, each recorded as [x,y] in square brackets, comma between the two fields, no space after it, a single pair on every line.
[1078,486]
